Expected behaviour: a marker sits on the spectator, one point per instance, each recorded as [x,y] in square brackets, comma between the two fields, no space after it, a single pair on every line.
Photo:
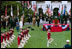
[17,26]
[21,24]
[29,18]
[34,20]
[67,45]
[4,23]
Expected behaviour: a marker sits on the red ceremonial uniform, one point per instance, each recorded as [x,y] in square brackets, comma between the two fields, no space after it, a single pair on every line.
[22,33]
[4,37]
[8,36]
[18,40]
[49,34]
[12,32]
[27,32]
[1,39]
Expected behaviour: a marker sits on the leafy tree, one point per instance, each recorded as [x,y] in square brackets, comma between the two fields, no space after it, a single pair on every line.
[14,6]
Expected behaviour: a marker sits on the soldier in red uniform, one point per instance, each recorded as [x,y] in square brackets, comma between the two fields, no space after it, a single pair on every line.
[49,37]
[27,32]
[1,40]
[18,38]
[8,39]
[12,36]
[4,40]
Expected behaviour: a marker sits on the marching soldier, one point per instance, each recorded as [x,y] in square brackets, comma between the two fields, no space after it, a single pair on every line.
[29,18]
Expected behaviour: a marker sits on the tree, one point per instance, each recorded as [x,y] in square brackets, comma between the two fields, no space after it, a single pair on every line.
[14,5]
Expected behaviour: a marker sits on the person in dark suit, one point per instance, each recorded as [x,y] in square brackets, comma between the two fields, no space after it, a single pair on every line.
[29,18]
[9,21]
[40,11]
[66,17]
[70,17]
[49,19]
[38,21]
[46,17]
[61,19]
[12,23]
[4,23]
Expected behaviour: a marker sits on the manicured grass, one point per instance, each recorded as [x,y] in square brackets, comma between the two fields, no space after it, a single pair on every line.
[39,38]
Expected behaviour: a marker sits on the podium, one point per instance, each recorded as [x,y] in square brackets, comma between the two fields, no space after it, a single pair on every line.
[57,28]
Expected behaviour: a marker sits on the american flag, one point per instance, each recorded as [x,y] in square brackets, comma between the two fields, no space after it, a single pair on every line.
[28,4]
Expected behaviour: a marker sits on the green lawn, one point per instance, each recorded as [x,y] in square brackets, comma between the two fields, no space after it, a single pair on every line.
[39,38]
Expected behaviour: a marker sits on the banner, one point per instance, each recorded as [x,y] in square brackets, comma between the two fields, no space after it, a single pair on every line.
[62,10]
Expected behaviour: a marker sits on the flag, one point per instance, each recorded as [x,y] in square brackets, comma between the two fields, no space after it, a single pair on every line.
[34,7]
[22,3]
[11,11]
[6,11]
[17,10]
[62,10]
[51,8]
[49,11]
[28,4]
[70,12]
[23,9]
[25,4]
[59,11]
